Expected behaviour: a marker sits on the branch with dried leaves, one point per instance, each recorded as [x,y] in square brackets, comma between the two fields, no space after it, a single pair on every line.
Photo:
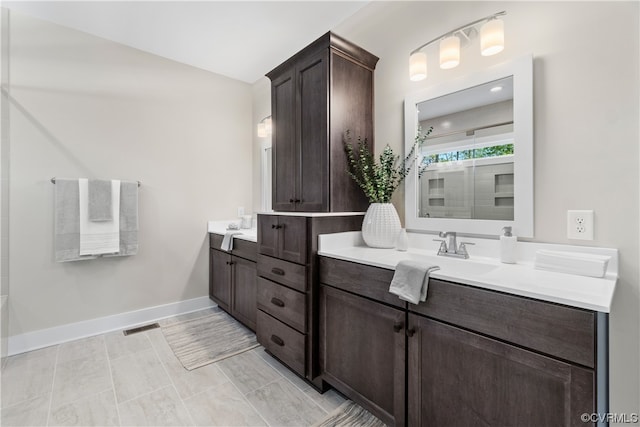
[379,179]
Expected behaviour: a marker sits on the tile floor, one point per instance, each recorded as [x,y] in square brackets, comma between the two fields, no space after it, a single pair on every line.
[135,380]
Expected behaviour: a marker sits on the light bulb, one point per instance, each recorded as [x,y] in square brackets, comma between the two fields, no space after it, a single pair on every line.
[492,37]
[449,52]
[418,66]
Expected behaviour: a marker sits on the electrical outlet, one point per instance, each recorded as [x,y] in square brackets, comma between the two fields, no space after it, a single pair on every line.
[240,211]
[580,225]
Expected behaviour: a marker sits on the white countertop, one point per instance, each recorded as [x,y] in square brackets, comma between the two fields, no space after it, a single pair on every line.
[220,227]
[312,214]
[483,269]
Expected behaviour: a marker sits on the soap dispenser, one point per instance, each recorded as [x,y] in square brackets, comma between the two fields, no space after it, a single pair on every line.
[508,246]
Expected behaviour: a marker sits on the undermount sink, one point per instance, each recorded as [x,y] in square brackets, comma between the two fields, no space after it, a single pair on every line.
[458,267]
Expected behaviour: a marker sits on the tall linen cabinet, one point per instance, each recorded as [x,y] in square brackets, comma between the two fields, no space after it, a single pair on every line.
[317,95]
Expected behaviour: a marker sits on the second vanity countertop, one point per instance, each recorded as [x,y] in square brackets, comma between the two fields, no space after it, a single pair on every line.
[483,269]
[220,227]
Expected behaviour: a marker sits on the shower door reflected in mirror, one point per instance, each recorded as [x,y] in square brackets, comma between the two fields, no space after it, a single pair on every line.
[467,160]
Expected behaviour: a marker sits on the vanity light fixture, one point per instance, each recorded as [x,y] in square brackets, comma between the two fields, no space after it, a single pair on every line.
[491,42]
[264,127]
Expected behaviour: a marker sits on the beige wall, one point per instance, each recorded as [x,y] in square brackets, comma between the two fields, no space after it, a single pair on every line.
[586,123]
[82,106]
[261,91]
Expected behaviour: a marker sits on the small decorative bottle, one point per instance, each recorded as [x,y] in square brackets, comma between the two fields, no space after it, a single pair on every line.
[508,246]
[402,242]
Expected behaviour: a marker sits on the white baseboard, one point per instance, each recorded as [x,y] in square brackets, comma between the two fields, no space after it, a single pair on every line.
[73,331]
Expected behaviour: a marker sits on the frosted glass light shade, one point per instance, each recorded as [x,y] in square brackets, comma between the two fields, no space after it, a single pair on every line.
[262,131]
[267,126]
[418,66]
[492,37]
[449,52]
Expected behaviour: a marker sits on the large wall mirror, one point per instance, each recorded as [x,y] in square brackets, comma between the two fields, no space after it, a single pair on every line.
[474,169]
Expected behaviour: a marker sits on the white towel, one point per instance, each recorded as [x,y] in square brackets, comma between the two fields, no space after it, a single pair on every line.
[97,238]
[227,240]
[410,281]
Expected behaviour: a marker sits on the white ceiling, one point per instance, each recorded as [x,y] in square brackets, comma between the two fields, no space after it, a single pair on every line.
[239,39]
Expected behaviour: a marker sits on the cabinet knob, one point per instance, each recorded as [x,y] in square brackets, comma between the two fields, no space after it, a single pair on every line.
[276,339]
[278,271]
[291,201]
[277,302]
[297,201]
[397,327]
[274,226]
[410,332]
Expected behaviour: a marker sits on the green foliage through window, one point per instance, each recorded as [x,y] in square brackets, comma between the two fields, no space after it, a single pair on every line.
[476,153]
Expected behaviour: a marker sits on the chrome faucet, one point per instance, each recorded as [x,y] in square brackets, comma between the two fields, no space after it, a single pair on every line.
[449,247]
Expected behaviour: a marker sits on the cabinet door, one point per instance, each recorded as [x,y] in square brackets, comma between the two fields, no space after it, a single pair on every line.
[244,301]
[220,278]
[312,133]
[285,161]
[292,243]
[268,235]
[362,352]
[456,377]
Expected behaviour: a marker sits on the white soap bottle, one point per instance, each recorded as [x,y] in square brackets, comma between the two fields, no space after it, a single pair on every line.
[508,246]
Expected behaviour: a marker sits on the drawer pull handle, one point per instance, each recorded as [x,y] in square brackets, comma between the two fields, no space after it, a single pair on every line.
[278,271]
[276,339]
[410,332]
[277,302]
[397,327]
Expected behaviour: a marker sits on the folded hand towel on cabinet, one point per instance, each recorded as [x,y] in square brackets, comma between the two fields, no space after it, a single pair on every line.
[99,195]
[410,281]
[67,221]
[227,240]
[103,237]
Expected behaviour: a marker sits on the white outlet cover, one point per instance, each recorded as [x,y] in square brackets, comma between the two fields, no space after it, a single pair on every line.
[580,224]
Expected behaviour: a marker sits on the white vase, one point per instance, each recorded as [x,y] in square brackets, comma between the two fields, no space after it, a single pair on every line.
[381,226]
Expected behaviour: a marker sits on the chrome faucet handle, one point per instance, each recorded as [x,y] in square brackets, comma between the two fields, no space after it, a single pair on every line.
[443,245]
[462,250]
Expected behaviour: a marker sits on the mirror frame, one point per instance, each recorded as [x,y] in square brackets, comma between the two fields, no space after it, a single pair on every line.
[522,71]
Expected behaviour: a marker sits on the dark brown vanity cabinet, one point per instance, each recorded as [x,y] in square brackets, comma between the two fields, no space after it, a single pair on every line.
[473,356]
[458,377]
[363,345]
[233,279]
[317,95]
[287,286]
[283,237]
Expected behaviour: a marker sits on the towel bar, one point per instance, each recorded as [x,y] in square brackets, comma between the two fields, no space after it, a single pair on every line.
[53,181]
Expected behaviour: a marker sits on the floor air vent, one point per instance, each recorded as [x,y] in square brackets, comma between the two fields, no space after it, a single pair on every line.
[141,329]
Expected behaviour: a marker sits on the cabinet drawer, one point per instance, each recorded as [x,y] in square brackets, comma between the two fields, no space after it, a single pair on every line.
[242,248]
[557,330]
[284,272]
[285,304]
[363,280]
[282,341]
[215,241]
[245,249]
